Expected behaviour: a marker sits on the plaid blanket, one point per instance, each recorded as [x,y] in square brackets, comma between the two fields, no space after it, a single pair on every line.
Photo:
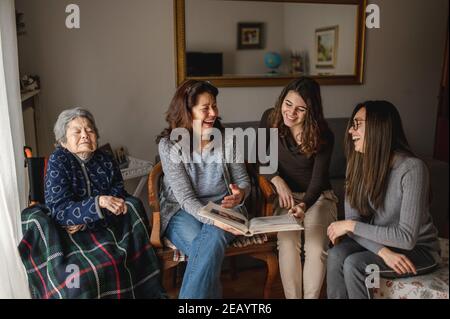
[112,260]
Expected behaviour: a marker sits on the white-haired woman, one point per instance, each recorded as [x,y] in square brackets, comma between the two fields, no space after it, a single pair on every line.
[102,233]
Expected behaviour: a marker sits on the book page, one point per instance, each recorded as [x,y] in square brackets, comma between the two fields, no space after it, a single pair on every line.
[270,224]
[226,216]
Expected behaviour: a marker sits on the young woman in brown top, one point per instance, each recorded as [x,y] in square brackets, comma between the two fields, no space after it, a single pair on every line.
[305,145]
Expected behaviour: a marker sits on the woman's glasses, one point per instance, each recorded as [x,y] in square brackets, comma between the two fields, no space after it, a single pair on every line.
[357,123]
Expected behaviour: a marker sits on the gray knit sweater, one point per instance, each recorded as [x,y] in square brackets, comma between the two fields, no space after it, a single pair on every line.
[404,221]
[190,186]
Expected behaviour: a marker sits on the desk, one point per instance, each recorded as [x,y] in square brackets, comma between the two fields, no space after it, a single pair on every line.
[137,168]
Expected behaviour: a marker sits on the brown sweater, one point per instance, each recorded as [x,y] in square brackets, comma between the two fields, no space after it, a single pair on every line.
[302,174]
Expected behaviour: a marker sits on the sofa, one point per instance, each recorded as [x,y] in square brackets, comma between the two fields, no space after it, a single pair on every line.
[435,285]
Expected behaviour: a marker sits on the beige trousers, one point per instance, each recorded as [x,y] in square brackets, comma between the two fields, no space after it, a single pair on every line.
[306,281]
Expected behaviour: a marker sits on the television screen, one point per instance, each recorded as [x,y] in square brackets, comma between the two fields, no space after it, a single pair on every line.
[203,64]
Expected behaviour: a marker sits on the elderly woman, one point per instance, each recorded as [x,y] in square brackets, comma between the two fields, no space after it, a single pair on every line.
[102,249]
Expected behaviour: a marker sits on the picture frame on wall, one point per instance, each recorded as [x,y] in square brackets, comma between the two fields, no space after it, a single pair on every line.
[326,46]
[250,36]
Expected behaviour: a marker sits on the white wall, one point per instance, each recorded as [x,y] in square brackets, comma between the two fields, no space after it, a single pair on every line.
[216,22]
[288,27]
[211,26]
[121,65]
[403,63]
[301,21]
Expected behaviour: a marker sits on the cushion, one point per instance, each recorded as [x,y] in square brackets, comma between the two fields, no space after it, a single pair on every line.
[430,286]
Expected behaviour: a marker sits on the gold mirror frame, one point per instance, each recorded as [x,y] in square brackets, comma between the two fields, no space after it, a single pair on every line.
[237,81]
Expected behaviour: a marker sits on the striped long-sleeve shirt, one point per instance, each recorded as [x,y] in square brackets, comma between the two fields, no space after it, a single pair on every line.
[191,185]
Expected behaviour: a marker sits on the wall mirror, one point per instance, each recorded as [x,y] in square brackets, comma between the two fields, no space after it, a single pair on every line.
[268,43]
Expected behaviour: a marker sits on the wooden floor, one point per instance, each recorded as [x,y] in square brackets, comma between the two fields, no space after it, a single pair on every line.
[246,284]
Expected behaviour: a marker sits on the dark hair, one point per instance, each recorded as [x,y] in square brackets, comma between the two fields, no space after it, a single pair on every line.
[314,125]
[179,114]
[367,174]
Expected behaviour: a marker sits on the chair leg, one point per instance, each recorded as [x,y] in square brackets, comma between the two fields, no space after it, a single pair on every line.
[168,270]
[175,276]
[271,261]
[233,268]
[165,278]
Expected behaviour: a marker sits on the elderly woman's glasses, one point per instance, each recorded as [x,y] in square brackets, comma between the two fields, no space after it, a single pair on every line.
[357,123]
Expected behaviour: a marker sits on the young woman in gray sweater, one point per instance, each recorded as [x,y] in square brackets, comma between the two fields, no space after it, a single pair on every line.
[194,174]
[388,225]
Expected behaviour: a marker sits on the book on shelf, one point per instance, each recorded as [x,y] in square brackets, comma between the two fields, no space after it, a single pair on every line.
[246,227]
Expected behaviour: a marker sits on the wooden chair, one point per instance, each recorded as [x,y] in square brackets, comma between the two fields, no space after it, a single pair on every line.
[260,202]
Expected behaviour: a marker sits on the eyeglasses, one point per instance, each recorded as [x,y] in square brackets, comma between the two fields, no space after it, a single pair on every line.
[357,123]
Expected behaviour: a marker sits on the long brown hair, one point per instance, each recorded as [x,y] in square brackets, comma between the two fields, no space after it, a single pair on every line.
[179,114]
[367,173]
[314,125]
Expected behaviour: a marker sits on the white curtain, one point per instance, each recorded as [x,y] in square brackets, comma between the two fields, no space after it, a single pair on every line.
[13,280]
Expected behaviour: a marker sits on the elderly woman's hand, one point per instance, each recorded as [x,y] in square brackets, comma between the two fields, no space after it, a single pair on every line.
[115,205]
[73,229]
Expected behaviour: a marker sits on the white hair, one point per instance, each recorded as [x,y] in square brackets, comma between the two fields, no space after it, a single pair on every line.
[66,117]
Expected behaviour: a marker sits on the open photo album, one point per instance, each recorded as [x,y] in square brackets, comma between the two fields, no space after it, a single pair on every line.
[253,226]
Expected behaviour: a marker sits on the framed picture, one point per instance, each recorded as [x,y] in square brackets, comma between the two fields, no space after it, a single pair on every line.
[326,47]
[250,36]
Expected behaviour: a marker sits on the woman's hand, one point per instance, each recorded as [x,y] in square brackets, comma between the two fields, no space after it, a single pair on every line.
[236,197]
[227,228]
[73,229]
[298,211]
[340,228]
[285,197]
[115,205]
[397,262]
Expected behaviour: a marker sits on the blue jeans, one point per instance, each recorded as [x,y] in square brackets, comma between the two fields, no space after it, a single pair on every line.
[205,246]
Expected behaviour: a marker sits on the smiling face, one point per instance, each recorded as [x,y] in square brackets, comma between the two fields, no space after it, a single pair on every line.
[205,111]
[80,137]
[293,110]
[358,130]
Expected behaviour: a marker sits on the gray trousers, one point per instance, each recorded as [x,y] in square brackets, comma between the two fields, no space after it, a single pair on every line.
[346,269]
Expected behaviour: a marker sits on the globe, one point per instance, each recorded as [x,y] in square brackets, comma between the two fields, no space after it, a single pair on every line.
[272,60]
